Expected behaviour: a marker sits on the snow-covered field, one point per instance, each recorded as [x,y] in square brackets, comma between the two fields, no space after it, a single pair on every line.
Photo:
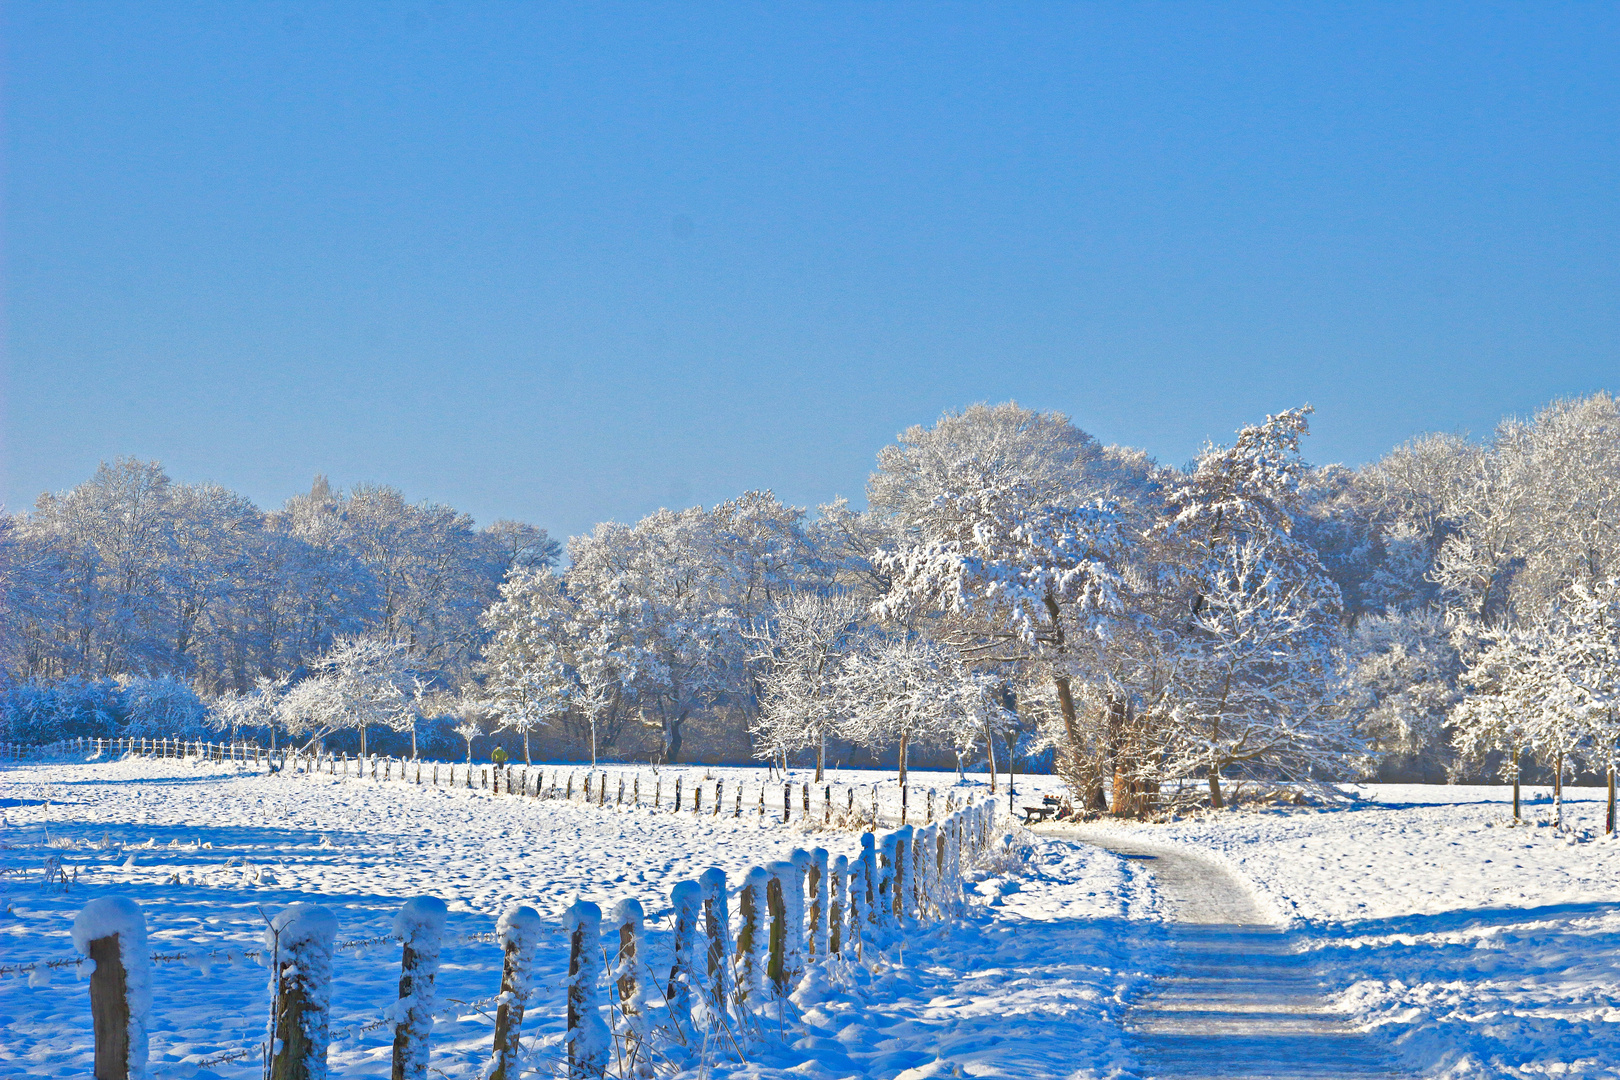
[1478,948]
[1032,982]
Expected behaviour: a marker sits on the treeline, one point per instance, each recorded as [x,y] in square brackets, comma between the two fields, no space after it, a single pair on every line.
[1014,589]
[133,575]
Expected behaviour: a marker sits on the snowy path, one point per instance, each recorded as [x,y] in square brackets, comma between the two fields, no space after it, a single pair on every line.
[1243,1001]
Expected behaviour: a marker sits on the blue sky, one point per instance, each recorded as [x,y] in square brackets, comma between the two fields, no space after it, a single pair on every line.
[568,263]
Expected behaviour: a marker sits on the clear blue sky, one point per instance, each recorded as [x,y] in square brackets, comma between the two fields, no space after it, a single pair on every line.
[571,263]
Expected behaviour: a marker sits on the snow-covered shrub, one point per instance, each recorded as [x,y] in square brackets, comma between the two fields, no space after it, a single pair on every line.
[42,712]
[160,707]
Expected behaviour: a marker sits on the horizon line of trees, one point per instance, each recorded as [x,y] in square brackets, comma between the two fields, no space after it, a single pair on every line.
[1014,588]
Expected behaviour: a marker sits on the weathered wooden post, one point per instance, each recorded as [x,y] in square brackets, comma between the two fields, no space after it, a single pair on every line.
[762,799]
[686,898]
[835,905]
[739,799]
[717,939]
[816,897]
[625,926]
[588,1038]
[620,800]
[826,807]
[677,794]
[568,795]
[787,800]
[860,908]
[883,894]
[806,801]
[420,925]
[519,933]
[697,799]
[635,790]
[299,940]
[776,899]
[719,794]
[753,943]
[905,801]
[930,819]
[111,931]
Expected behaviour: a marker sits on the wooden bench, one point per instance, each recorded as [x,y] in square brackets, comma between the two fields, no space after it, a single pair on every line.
[1050,805]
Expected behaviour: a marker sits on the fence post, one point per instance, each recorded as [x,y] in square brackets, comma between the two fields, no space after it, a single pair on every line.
[111,931]
[588,1038]
[420,925]
[519,934]
[717,939]
[753,943]
[677,794]
[816,895]
[787,800]
[719,794]
[776,899]
[686,899]
[835,905]
[619,800]
[860,907]
[806,800]
[300,939]
[627,919]
[635,789]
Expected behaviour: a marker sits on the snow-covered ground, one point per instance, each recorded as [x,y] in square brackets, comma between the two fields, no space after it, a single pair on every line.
[1475,948]
[1479,949]
[1032,982]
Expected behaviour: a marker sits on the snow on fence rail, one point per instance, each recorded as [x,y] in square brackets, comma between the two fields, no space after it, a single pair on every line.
[829,803]
[801,922]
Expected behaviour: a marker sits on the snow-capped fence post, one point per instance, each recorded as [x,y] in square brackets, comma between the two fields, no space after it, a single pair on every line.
[776,900]
[717,938]
[903,877]
[752,941]
[860,909]
[793,895]
[519,933]
[420,925]
[839,873]
[883,895]
[686,899]
[805,801]
[787,800]
[816,893]
[111,931]
[299,940]
[719,794]
[697,799]
[627,922]
[588,1038]
[677,794]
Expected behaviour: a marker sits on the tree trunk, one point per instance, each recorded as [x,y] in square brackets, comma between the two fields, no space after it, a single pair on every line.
[527,760]
[1557,789]
[1215,800]
[821,758]
[1608,821]
[672,738]
[905,740]
[990,753]
[1516,784]
[413,742]
[1066,706]
[362,742]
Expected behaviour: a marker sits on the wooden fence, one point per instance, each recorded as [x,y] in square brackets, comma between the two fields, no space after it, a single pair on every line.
[829,804]
[725,981]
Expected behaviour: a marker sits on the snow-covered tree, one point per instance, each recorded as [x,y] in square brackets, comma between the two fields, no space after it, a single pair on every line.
[803,647]
[904,690]
[360,683]
[529,669]
[1402,671]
